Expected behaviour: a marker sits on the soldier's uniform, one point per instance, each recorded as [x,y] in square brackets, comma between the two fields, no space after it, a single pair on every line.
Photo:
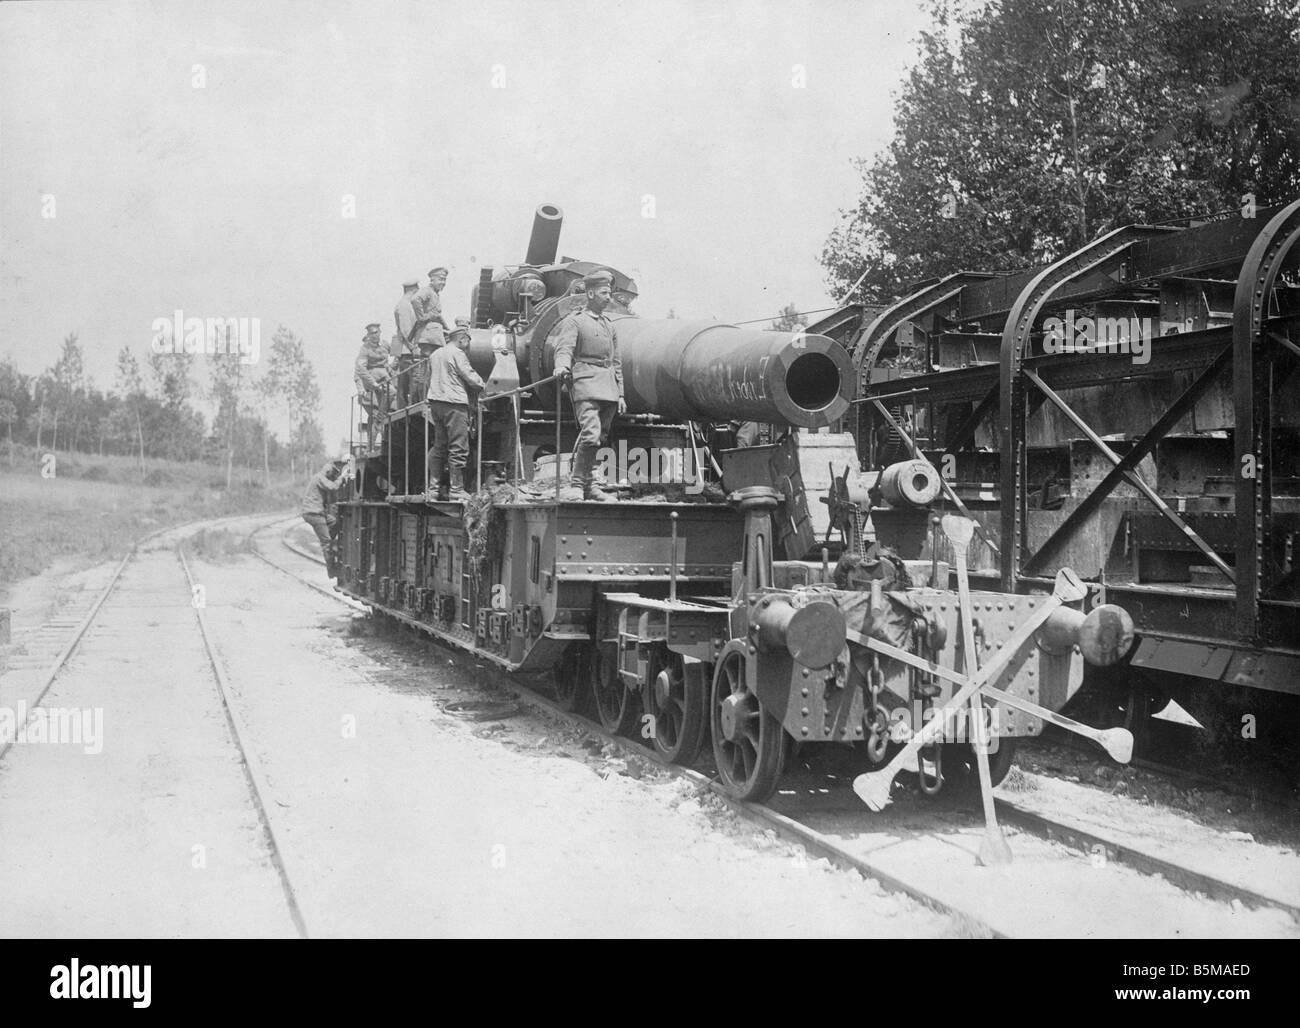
[420,369]
[451,380]
[747,433]
[371,370]
[317,509]
[427,304]
[587,346]
[408,384]
[372,378]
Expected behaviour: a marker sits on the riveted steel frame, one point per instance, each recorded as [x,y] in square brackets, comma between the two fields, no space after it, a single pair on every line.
[1260,346]
[1127,464]
[1253,380]
[1108,250]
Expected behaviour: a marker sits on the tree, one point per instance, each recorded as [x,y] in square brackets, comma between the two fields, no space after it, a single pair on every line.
[66,385]
[8,415]
[229,383]
[171,372]
[292,379]
[788,320]
[179,428]
[16,389]
[130,387]
[1029,127]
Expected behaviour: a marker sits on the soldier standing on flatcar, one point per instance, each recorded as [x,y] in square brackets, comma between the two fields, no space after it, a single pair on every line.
[318,509]
[372,375]
[587,360]
[403,348]
[451,380]
[429,322]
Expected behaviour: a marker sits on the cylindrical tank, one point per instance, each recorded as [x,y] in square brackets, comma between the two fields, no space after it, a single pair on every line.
[910,483]
[707,371]
[544,243]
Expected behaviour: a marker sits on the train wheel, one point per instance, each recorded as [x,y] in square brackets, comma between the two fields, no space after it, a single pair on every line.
[677,699]
[616,704]
[748,742]
[572,679]
[961,771]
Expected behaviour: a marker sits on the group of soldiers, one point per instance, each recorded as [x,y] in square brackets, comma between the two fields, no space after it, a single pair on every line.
[424,360]
[427,360]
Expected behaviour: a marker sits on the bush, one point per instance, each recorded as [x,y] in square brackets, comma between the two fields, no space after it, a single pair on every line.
[159,476]
[96,473]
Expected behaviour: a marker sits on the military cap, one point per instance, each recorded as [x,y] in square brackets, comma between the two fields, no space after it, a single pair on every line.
[459,330]
[411,284]
[434,271]
[599,278]
[372,325]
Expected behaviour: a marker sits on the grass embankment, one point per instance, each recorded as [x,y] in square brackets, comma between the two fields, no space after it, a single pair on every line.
[94,507]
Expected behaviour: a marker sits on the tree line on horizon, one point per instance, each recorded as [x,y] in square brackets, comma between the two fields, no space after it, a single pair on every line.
[151,412]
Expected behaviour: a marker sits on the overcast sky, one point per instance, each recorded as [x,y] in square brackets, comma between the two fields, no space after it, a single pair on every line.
[448,123]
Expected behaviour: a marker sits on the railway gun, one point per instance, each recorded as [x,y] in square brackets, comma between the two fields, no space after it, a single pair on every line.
[748,600]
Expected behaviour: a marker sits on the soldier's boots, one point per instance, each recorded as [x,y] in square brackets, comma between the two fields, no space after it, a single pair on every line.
[456,492]
[573,491]
[595,492]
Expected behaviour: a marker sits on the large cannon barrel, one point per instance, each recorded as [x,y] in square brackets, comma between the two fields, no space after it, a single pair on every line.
[707,371]
[544,243]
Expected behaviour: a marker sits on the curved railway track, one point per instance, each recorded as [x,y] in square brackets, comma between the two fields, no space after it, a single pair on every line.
[142,584]
[823,818]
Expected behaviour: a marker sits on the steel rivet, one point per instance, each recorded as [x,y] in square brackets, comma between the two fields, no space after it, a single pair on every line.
[804,730]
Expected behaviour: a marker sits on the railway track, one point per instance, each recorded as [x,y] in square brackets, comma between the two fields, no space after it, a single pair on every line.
[819,812]
[186,693]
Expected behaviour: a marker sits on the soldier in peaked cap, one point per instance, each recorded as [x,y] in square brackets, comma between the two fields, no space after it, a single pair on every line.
[372,375]
[319,508]
[453,382]
[429,322]
[587,360]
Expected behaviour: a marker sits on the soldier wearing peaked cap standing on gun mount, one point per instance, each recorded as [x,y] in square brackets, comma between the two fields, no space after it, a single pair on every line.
[587,361]
[372,376]
[451,380]
[429,322]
